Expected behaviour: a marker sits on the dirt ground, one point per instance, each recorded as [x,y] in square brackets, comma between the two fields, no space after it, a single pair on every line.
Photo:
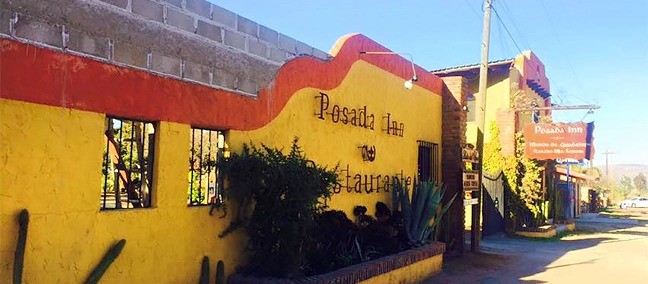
[614,252]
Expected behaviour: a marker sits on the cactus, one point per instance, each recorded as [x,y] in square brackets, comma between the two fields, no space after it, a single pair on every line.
[220,272]
[19,256]
[423,213]
[204,271]
[108,259]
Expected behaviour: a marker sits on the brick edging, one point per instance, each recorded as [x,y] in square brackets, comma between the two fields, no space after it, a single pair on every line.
[358,272]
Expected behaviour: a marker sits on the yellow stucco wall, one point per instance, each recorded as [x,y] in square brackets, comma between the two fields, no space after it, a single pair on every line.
[331,143]
[498,98]
[413,273]
[51,160]
[542,235]
[51,164]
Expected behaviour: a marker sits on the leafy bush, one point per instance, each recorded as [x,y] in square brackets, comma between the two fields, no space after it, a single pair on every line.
[522,179]
[278,197]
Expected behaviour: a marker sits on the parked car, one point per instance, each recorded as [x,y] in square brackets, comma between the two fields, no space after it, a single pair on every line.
[634,202]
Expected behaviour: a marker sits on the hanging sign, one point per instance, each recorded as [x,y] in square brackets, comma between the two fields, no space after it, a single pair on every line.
[549,141]
[469,154]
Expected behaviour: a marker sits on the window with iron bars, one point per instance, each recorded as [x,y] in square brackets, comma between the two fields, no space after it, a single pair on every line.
[428,161]
[207,149]
[127,169]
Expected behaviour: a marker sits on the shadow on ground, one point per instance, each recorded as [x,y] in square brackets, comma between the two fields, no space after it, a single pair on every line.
[504,259]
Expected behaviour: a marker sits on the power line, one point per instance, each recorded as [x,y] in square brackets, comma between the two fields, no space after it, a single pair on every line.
[507,30]
[473,9]
[559,96]
[515,26]
[559,41]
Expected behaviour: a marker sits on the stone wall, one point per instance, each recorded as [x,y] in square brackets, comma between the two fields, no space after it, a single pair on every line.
[191,40]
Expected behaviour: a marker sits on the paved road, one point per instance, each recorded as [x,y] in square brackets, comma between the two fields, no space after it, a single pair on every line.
[618,253]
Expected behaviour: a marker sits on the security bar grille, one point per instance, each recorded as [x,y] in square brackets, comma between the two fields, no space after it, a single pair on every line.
[127,169]
[206,151]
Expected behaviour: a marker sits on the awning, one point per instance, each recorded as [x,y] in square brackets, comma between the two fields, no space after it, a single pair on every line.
[576,175]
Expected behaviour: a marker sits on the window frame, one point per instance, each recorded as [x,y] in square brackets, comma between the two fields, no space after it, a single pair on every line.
[432,160]
[146,180]
[215,197]
[471,115]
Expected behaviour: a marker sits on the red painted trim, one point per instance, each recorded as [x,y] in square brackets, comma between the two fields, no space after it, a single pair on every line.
[37,75]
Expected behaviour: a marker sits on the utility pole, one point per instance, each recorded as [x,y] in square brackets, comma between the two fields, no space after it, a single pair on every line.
[480,119]
[607,163]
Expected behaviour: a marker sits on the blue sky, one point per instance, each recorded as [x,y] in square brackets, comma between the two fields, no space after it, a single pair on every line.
[595,52]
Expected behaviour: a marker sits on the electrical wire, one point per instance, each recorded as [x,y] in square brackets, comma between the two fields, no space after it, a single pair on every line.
[473,9]
[559,41]
[506,28]
[499,18]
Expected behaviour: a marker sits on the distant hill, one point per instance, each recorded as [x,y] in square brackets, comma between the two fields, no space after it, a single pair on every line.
[629,170]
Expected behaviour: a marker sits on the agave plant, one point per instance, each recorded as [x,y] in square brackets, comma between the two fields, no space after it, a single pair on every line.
[423,212]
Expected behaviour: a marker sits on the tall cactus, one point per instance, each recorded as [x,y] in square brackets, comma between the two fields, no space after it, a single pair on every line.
[220,272]
[19,255]
[106,261]
[204,271]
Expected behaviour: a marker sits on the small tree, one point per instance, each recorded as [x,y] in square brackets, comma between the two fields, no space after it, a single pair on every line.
[640,183]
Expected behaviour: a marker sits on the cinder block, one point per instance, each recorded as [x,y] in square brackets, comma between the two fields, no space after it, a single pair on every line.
[246,86]
[200,7]
[166,64]
[148,9]
[177,3]
[130,54]
[223,16]
[247,26]
[321,54]
[269,35]
[224,79]
[303,48]
[287,43]
[88,44]
[197,72]
[39,31]
[234,39]
[180,20]
[257,48]
[209,31]
[5,17]
[277,55]
[119,3]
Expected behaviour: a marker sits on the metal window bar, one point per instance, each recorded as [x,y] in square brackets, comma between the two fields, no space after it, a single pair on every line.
[428,160]
[128,163]
[435,161]
[200,166]
[205,152]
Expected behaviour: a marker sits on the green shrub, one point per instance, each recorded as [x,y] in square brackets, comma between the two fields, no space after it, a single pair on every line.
[278,196]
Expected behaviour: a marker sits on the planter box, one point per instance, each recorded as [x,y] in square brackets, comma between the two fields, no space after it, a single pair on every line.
[540,232]
[570,226]
[411,266]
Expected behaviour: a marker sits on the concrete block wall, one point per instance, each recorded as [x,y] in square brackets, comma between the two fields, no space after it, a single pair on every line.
[454,118]
[191,40]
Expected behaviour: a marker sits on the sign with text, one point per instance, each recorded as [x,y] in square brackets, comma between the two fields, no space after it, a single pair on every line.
[549,141]
[471,180]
